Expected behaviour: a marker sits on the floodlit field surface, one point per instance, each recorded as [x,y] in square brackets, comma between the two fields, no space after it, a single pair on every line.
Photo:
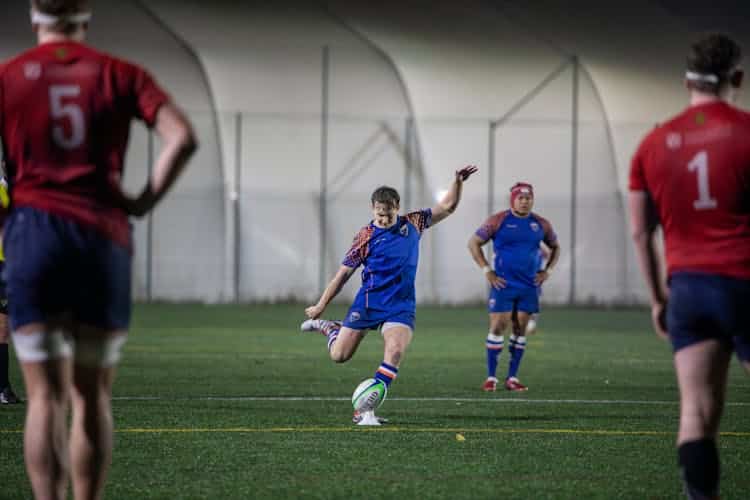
[233,402]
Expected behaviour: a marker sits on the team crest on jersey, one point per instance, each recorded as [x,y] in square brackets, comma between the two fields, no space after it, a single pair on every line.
[534,226]
[674,140]
[354,316]
[404,230]
[32,70]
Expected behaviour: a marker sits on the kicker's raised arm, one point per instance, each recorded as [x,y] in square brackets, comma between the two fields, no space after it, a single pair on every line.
[450,201]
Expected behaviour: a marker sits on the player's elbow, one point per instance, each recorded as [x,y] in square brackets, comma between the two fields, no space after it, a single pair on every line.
[449,208]
[176,131]
[187,142]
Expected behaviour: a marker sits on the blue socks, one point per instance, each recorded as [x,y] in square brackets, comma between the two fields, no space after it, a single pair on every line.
[494,348]
[386,373]
[517,348]
[331,330]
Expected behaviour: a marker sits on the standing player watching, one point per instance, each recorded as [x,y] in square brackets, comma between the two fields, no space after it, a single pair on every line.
[7,396]
[388,249]
[514,294]
[65,113]
[692,176]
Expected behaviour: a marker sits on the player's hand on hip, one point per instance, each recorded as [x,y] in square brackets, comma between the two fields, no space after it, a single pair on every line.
[541,277]
[140,205]
[659,319]
[134,208]
[466,172]
[496,281]
[314,312]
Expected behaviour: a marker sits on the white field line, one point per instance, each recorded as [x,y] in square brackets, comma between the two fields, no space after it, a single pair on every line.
[428,399]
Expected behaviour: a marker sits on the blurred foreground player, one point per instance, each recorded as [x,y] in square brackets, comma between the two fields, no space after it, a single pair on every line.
[388,250]
[65,116]
[692,176]
[7,396]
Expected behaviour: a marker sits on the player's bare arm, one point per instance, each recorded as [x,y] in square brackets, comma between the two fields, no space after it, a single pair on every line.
[179,144]
[552,255]
[331,291]
[450,201]
[475,249]
[644,221]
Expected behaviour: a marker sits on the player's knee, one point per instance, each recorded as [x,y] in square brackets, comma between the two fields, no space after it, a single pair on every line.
[48,394]
[699,419]
[340,356]
[502,327]
[89,407]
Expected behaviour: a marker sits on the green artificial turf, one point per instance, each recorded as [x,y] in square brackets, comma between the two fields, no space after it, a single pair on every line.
[233,402]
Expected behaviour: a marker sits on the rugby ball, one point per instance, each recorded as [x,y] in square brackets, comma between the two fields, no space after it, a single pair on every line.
[369,395]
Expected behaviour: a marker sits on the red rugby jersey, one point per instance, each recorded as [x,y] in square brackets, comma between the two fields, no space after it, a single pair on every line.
[696,168]
[65,113]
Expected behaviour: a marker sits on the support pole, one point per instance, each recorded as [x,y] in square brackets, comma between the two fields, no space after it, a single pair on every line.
[573,183]
[236,198]
[325,83]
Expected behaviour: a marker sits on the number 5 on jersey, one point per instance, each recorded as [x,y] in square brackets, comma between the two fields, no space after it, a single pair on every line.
[60,110]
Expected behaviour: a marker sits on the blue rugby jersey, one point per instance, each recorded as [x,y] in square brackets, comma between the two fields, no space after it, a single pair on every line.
[389,258]
[516,244]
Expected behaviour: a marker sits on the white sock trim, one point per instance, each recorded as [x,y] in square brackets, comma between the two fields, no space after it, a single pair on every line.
[495,338]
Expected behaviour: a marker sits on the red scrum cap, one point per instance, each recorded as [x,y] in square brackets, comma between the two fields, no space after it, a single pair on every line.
[520,188]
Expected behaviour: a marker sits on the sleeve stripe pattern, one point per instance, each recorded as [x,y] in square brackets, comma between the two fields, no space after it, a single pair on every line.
[421,219]
[359,249]
[550,237]
[487,230]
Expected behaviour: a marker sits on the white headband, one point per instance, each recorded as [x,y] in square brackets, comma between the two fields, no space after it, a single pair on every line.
[701,77]
[48,20]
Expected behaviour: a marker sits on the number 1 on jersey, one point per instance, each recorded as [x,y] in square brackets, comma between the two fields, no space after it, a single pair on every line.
[699,163]
[71,111]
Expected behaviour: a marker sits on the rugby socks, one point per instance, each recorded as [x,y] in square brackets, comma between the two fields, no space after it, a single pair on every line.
[386,373]
[494,348]
[699,466]
[331,330]
[516,348]
[4,382]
